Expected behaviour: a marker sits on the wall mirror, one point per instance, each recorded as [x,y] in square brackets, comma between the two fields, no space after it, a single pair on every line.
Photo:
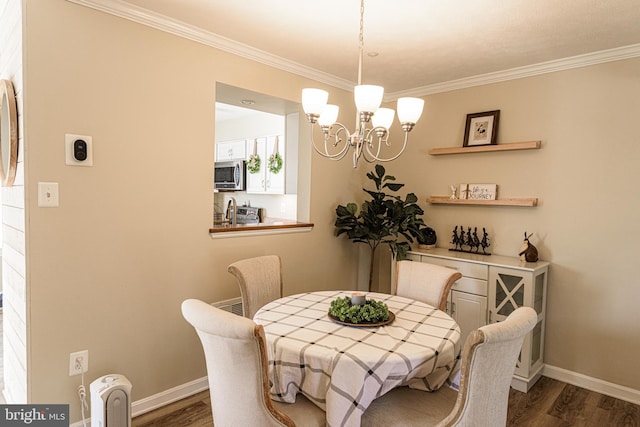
[8,133]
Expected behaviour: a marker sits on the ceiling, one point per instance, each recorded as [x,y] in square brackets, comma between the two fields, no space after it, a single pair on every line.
[422,45]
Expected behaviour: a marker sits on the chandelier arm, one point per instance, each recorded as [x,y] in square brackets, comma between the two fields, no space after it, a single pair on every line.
[337,156]
[357,142]
[370,157]
[383,136]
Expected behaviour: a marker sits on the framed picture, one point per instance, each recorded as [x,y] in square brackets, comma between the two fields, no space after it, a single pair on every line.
[481,128]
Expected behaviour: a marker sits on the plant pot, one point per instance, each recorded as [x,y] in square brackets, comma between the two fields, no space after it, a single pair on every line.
[427,246]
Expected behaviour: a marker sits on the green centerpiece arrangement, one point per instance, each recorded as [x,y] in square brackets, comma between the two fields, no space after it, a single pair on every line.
[371,311]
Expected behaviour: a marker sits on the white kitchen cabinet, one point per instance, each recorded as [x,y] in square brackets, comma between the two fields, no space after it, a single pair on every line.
[264,181]
[491,288]
[231,150]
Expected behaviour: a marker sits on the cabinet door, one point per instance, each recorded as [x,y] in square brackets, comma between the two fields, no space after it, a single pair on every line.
[230,150]
[256,181]
[508,290]
[239,150]
[224,151]
[469,311]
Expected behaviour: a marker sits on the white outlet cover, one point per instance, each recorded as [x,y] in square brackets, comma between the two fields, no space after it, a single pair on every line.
[84,354]
[69,139]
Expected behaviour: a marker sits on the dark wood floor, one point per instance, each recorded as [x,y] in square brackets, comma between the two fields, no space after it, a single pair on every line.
[549,403]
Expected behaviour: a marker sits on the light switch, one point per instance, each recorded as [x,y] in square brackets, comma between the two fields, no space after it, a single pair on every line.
[48,195]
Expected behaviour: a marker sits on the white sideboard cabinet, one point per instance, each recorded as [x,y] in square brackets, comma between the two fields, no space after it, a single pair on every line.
[491,287]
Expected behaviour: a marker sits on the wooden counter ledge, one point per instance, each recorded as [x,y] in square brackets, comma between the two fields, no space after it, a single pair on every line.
[269,226]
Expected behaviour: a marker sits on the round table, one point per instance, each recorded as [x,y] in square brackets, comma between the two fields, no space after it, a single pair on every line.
[342,369]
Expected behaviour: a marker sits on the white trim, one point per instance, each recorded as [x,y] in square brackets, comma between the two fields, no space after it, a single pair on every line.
[610,55]
[593,384]
[169,396]
[163,398]
[178,28]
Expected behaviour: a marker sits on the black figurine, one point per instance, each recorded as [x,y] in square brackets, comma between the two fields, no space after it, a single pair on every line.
[455,240]
[476,241]
[485,241]
[469,241]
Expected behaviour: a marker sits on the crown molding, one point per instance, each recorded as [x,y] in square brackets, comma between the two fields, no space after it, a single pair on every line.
[585,60]
[160,22]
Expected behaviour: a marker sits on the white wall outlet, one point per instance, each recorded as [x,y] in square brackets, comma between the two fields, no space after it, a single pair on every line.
[48,195]
[78,362]
[73,157]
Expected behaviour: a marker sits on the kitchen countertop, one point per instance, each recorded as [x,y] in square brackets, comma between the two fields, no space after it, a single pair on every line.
[269,226]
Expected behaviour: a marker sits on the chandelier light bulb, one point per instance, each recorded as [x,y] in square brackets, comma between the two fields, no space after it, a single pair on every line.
[383,118]
[314,100]
[329,115]
[368,97]
[410,109]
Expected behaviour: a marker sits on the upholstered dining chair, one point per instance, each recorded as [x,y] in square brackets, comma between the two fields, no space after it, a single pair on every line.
[489,359]
[236,358]
[260,281]
[425,282]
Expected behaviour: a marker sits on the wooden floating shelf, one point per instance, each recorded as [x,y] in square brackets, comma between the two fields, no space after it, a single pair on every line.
[445,200]
[511,146]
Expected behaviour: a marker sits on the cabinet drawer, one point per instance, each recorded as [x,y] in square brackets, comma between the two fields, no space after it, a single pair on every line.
[471,286]
[467,269]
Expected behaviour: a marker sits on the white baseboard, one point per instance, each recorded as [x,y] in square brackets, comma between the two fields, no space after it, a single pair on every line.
[163,398]
[593,384]
[196,386]
[169,396]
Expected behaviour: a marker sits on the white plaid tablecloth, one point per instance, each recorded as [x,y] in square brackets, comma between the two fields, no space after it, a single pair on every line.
[342,369]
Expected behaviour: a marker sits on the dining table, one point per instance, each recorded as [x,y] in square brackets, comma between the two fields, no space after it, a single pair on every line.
[342,368]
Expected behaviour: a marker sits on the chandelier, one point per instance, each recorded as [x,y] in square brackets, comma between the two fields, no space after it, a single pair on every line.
[366,141]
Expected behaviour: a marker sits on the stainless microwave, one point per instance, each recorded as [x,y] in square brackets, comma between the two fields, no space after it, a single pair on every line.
[230,175]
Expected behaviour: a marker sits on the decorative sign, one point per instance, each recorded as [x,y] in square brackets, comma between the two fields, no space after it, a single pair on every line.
[482,192]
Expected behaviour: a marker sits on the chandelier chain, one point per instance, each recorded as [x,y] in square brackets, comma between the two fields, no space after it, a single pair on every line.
[361,42]
[361,24]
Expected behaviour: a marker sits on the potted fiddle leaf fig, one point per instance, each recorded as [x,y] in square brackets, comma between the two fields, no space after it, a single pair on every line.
[383,219]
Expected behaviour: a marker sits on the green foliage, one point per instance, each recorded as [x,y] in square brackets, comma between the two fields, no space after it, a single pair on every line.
[383,219]
[275,163]
[253,165]
[371,312]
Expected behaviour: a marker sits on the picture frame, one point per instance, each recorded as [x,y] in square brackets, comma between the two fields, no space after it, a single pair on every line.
[481,129]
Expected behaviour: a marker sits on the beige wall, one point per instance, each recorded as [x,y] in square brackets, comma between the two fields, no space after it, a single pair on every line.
[586,177]
[107,270]
[13,219]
